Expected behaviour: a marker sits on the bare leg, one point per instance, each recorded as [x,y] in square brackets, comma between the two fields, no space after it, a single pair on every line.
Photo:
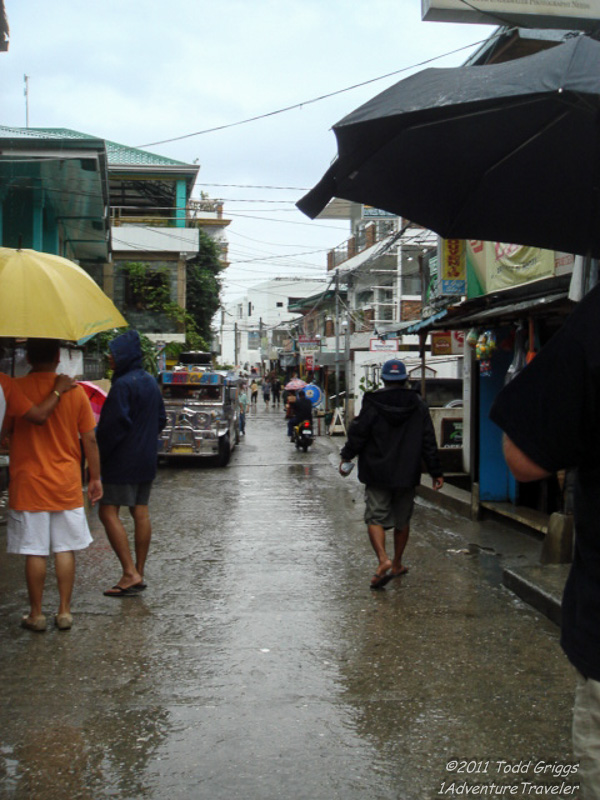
[400,540]
[143,534]
[117,536]
[35,575]
[377,537]
[64,564]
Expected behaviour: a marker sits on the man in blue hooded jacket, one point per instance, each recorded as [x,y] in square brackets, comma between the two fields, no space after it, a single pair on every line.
[132,417]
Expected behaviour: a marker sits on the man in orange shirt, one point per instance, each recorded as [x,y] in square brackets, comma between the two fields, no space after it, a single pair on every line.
[16,404]
[46,511]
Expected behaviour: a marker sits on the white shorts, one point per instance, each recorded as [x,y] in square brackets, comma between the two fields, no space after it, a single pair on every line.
[38,533]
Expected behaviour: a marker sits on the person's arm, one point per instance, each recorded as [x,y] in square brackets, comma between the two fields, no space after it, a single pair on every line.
[521,466]
[92,455]
[358,433]
[40,413]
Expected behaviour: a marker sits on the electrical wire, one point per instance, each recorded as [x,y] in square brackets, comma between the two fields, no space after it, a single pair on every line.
[318,99]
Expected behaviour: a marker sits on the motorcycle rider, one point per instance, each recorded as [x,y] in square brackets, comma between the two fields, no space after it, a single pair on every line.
[302,412]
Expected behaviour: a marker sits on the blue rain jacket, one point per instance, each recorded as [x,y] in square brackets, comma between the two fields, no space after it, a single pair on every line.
[132,417]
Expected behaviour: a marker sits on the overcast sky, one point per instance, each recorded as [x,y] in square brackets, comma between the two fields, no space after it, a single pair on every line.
[144,71]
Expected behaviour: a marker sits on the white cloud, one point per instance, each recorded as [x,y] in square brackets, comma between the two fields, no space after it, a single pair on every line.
[138,71]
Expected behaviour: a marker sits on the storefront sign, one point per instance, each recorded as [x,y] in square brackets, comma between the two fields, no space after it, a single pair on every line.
[383,346]
[445,343]
[305,340]
[453,267]
[309,363]
[452,432]
[499,265]
[561,14]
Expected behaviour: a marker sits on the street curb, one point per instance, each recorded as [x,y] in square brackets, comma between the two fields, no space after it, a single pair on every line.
[539,586]
[447,497]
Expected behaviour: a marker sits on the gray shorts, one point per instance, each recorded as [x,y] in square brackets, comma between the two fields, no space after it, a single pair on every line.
[390,508]
[126,494]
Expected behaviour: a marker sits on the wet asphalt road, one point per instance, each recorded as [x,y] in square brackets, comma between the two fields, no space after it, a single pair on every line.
[258,664]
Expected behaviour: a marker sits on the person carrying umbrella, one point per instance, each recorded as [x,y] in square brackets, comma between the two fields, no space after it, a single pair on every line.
[545,431]
[16,404]
[46,512]
[391,435]
[302,410]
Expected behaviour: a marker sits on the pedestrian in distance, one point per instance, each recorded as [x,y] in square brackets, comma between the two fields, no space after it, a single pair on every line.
[549,415]
[253,392]
[276,390]
[266,390]
[392,435]
[243,404]
[46,510]
[131,419]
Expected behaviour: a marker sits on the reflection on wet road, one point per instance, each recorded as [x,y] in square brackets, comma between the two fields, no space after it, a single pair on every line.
[259,664]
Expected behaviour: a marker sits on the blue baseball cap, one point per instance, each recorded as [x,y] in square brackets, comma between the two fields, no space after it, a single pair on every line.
[394,370]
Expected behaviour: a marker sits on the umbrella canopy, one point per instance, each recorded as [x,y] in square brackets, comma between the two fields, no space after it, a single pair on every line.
[46,296]
[95,395]
[506,152]
[294,385]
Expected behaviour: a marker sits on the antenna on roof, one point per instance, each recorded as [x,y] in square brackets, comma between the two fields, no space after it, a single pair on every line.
[26,93]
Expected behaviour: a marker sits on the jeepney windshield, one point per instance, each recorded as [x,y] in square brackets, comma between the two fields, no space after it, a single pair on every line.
[198,394]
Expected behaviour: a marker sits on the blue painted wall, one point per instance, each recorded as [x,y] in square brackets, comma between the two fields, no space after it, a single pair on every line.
[496,484]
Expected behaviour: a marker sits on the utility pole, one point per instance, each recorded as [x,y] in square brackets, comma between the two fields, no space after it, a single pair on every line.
[260,336]
[348,371]
[235,344]
[26,93]
[337,338]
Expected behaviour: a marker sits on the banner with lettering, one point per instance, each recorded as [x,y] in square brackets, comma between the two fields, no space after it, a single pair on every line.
[453,272]
[499,265]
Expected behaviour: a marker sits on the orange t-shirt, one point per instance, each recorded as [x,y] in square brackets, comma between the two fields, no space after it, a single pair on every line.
[45,460]
[12,399]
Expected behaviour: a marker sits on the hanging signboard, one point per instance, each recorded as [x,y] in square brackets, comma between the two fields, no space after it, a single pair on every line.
[383,346]
[499,265]
[444,343]
[306,340]
[453,272]
[309,362]
[561,14]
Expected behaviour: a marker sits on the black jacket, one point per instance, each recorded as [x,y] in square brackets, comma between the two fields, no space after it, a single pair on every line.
[302,409]
[391,436]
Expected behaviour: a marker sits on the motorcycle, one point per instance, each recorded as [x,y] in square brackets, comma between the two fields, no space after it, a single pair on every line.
[302,435]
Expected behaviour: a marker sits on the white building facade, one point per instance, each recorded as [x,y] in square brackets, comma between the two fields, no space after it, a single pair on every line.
[252,329]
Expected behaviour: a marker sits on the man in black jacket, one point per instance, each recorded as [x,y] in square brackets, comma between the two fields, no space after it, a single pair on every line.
[391,436]
[302,411]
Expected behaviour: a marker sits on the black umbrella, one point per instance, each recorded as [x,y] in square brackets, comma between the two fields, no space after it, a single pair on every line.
[507,152]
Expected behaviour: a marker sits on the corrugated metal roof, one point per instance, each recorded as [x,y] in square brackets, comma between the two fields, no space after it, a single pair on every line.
[118,154]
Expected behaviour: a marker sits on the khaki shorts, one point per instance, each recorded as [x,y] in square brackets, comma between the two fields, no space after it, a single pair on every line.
[586,736]
[38,533]
[390,508]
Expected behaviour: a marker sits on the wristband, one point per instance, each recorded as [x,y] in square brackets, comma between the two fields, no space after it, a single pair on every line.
[56,392]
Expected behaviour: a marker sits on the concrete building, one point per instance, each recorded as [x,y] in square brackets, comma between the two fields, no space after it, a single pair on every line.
[253,329]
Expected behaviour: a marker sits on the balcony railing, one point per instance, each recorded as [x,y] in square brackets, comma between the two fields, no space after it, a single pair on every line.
[365,237]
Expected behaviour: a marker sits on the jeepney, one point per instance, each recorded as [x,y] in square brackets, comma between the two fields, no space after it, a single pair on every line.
[202,413]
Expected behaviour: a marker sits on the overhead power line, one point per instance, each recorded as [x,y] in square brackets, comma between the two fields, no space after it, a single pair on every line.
[318,99]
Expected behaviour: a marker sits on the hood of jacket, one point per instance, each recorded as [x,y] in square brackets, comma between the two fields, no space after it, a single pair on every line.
[126,350]
[395,405]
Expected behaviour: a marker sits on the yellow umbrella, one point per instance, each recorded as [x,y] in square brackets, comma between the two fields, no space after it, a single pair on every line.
[46,296]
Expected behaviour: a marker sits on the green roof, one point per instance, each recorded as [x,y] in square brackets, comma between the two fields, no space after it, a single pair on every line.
[119,155]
